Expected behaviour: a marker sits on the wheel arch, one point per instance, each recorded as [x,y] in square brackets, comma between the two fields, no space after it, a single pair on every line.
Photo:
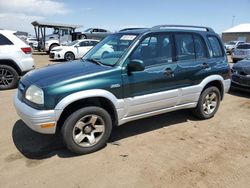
[216,83]
[83,99]
[11,63]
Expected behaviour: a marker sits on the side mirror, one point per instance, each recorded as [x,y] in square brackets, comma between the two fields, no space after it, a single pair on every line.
[136,65]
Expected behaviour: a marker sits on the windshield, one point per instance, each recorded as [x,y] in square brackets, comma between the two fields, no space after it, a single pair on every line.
[71,43]
[244,46]
[232,43]
[111,49]
[88,30]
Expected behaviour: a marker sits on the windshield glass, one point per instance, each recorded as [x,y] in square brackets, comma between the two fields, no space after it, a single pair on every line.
[71,43]
[232,43]
[244,46]
[87,30]
[111,49]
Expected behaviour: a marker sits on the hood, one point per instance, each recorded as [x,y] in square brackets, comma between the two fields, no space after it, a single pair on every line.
[57,73]
[242,66]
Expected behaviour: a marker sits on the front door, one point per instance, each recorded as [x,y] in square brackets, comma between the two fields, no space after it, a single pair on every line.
[155,87]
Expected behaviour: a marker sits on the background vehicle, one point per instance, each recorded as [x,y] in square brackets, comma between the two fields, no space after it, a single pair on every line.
[241,75]
[33,42]
[94,33]
[15,59]
[241,52]
[149,72]
[73,50]
[230,46]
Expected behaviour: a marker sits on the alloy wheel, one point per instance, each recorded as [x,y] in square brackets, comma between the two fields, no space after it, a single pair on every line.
[88,130]
[210,103]
[6,77]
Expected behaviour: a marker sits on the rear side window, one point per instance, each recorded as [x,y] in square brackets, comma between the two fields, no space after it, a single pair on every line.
[200,48]
[184,46]
[4,40]
[215,46]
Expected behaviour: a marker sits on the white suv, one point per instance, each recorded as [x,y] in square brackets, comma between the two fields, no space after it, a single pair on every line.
[15,59]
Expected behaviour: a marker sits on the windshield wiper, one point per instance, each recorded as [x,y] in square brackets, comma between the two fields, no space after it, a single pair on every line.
[94,61]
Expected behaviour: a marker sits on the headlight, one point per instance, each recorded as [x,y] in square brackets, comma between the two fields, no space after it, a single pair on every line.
[35,94]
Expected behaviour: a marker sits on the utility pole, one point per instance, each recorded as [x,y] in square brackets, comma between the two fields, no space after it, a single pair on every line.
[233,21]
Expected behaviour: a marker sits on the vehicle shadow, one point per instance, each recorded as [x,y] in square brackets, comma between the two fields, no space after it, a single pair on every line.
[239,93]
[39,146]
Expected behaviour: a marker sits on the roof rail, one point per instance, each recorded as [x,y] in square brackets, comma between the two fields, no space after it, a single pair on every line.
[183,26]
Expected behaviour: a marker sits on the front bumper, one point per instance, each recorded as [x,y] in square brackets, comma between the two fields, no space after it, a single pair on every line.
[240,82]
[37,120]
[56,55]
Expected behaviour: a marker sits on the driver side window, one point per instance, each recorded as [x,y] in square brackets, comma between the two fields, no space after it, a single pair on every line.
[154,49]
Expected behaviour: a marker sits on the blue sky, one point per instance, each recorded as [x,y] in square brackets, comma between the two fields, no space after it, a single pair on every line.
[115,14]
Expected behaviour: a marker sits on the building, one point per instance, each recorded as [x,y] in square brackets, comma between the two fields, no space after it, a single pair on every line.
[240,32]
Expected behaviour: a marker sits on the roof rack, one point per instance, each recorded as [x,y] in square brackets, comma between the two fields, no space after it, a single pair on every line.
[183,26]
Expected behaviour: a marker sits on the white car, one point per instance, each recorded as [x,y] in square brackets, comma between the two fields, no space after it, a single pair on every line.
[33,42]
[230,46]
[73,50]
[15,59]
[241,52]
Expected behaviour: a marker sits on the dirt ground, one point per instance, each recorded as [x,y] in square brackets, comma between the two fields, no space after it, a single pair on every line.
[170,150]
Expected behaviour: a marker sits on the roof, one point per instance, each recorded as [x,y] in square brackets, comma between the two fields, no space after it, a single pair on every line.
[242,28]
[51,25]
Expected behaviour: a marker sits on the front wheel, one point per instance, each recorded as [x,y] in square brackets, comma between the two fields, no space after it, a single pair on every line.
[69,56]
[208,103]
[87,130]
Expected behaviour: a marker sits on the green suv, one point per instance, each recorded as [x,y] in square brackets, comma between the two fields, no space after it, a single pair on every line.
[147,72]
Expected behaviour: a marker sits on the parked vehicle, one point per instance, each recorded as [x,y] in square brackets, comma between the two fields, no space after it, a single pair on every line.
[33,42]
[15,59]
[94,33]
[241,75]
[144,75]
[73,50]
[230,46]
[241,52]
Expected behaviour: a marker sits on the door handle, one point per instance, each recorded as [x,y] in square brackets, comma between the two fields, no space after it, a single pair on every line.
[169,72]
[205,65]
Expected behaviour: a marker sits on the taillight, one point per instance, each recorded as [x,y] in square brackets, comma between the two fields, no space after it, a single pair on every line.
[26,50]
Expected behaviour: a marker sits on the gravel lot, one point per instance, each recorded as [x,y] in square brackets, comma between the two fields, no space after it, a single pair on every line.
[170,150]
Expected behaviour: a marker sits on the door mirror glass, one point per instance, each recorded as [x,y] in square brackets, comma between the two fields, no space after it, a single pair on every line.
[136,65]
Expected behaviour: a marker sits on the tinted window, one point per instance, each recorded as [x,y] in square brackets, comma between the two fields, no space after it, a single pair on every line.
[243,46]
[84,43]
[200,49]
[102,30]
[215,46]
[184,46]
[4,40]
[155,49]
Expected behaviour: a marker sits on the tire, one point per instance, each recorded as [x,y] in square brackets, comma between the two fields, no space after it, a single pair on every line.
[8,77]
[80,133]
[52,46]
[205,103]
[69,56]
[83,37]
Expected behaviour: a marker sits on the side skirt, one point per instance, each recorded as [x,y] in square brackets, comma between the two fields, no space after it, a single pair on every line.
[157,112]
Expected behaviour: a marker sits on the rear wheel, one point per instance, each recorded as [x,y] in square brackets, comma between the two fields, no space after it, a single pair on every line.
[69,56]
[8,77]
[87,130]
[208,103]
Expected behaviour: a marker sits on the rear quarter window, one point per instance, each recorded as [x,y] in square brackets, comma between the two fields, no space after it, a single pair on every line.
[215,46]
[4,40]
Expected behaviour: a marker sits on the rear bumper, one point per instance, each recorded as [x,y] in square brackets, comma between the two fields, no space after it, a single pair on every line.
[38,120]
